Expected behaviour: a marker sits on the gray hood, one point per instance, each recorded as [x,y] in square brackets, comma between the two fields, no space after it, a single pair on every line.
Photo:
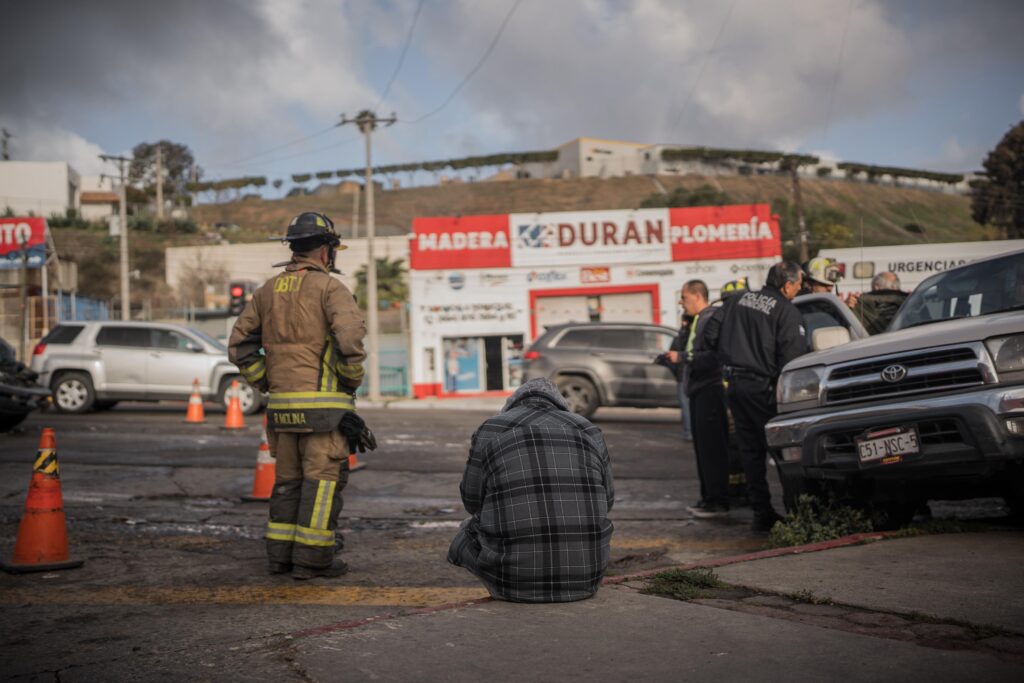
[537,388]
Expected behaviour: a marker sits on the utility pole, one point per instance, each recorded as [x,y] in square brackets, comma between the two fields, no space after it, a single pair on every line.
[367,121]
[4,137]
[798,202]
[126,302]
[159,182]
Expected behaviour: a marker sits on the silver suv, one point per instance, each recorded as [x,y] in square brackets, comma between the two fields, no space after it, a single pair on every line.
[93,365]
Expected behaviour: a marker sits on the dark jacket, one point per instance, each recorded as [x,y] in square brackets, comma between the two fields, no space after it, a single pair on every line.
[679,345]
[538,484]
[703,367]
[761,332]
[877,309]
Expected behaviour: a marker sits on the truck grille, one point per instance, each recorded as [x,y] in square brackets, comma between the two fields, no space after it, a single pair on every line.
[932,433]
[933,370]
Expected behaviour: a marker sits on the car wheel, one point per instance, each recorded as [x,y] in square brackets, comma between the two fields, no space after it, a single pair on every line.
[250,399]
[73,393]
[580,393]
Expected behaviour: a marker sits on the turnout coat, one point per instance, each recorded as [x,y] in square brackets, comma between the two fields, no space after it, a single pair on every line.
[538,484]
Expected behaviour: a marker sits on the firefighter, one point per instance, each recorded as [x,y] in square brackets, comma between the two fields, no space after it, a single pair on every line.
[300,337]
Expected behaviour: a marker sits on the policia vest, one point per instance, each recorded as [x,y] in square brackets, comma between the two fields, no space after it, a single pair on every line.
[300,337]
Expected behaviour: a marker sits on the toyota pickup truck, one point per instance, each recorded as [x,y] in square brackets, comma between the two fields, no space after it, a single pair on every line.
[931,409]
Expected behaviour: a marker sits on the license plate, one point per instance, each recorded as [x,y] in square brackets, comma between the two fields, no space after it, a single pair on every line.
[888,445]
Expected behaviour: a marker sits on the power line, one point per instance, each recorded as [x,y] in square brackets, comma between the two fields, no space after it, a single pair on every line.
[401,57]
[275,149]
[704,63]
[835,78]
[472,72]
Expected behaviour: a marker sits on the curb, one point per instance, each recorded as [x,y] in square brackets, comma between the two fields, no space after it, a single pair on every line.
[854,539]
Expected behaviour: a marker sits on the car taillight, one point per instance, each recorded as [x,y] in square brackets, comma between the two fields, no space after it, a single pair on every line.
[39,350]
[531,355]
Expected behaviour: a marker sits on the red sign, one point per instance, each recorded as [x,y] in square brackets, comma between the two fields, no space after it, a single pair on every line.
[705,233]
[17,234]
[462,242]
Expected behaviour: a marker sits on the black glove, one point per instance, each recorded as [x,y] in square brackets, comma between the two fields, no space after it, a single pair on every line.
[358,435]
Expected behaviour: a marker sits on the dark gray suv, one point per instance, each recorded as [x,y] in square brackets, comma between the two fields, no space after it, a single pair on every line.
[605,364]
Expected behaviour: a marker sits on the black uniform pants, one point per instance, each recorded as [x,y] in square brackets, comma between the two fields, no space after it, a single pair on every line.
[711,443]
[752,402]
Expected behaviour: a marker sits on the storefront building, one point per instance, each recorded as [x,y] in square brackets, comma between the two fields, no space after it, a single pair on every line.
[484,287]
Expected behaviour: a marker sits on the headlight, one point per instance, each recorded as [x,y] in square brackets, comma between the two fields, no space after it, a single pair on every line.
[800,385]
[1007,352]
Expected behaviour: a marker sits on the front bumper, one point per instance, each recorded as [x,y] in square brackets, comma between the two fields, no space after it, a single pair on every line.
[962,434]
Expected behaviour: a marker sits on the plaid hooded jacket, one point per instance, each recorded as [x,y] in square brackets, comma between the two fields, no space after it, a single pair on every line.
[538,485]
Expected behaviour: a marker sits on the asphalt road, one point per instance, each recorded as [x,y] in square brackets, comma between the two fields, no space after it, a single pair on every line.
[175,580]
[175,561]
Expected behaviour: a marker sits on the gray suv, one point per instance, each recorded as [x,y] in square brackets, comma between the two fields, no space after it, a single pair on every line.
[93,365]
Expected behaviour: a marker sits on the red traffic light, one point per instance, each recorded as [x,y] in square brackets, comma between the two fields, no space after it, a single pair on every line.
[237,291]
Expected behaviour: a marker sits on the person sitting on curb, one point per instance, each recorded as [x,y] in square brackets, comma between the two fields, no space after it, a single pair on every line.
[538,484]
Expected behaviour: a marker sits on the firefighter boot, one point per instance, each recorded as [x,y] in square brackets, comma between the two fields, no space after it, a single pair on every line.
[319,508]
[284,513]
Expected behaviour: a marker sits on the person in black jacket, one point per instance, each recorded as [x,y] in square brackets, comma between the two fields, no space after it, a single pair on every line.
[702,383]
[674,360]
[760,333]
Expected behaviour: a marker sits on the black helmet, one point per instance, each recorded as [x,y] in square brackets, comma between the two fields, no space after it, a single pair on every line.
[309,230]
[734,287]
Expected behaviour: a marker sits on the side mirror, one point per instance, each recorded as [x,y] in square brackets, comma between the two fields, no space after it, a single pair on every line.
[829,337]
[195,348]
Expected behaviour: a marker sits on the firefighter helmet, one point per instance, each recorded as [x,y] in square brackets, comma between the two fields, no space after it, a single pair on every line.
[733,287]
[310,230]
[823,271]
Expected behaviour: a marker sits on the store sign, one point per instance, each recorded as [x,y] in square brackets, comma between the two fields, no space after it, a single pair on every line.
[705,233]
[20,236]
[590,276]
[460,242]
[548,239]
[465,313]
[606,237]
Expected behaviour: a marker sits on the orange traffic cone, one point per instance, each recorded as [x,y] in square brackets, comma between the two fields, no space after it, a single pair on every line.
[263,483]
[234,419]
[195,412]
[42,543]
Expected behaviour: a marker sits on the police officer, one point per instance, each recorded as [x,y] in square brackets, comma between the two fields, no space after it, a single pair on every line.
[761,332]
[301,338]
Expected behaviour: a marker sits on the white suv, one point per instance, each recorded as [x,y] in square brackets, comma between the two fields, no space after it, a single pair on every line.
[93,365]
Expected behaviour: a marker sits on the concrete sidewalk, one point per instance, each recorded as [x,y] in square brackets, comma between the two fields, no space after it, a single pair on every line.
[622,634]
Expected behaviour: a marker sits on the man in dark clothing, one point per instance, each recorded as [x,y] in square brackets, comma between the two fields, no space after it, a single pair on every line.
[538,484]
[675,361]
[760,333]
[702,382]
[876,308]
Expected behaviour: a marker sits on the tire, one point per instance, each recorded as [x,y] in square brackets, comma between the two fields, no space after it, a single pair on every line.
[105,405]
[795,486]
[580,393]
[251,400]
[73,393]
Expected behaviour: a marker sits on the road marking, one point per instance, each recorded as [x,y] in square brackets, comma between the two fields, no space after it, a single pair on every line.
[366,596]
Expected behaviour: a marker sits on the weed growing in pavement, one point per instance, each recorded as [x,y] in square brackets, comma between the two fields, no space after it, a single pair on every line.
[682,584]
[807,597]
[816,520]
[939,526]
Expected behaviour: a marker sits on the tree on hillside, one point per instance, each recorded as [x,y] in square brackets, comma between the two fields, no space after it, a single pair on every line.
[177,167]
[705,195]
[998,200]
[391,283]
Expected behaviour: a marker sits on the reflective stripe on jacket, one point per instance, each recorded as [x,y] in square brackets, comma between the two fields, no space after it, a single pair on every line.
[300,337]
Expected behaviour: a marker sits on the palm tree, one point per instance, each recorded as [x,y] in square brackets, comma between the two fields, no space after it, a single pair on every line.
[392,286]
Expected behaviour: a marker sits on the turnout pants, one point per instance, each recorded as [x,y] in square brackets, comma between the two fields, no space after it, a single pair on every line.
[752,402]
[311,471]
[711,443]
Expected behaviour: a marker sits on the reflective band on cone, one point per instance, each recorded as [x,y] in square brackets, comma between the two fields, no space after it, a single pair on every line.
[263,482]
[42,543]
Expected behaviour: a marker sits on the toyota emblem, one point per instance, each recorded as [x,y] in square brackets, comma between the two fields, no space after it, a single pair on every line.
[894,373]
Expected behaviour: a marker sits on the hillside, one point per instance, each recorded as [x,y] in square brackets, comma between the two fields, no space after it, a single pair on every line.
[884,211]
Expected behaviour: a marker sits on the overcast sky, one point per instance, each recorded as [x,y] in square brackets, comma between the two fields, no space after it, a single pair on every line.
[921,83]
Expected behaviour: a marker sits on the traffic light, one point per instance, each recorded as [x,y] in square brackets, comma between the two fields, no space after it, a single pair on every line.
[239,296]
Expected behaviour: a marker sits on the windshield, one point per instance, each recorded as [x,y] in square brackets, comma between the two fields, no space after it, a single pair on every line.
[986,287]
[208,339]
